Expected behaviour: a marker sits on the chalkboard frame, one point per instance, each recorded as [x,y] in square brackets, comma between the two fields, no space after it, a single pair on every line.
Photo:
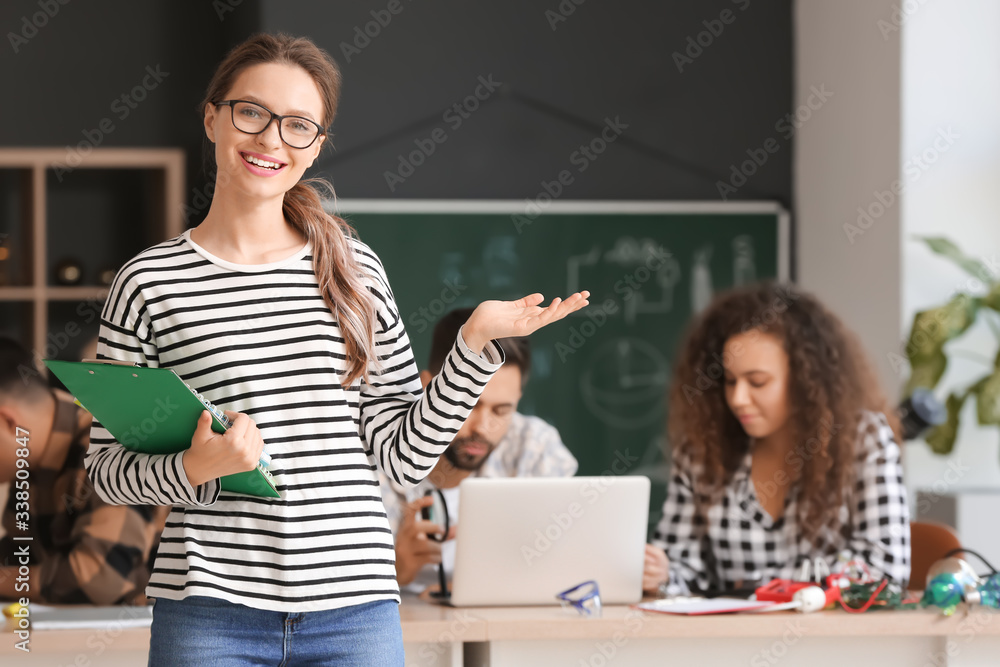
[524,207]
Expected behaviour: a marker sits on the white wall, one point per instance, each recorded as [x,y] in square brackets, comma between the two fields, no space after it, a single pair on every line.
[916,97]
[845,153]
[951,78]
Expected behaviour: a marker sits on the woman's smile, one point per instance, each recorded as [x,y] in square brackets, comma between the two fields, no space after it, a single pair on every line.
[262,165]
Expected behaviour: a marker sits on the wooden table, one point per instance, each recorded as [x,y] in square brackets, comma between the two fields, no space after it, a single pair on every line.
[433,635]
[437,636]
[548,636]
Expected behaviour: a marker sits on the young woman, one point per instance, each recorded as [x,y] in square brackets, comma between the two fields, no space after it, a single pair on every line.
[783,450]
[277,314]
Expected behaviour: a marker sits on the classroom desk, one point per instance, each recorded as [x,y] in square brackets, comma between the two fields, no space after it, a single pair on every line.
[437,636]
[433,636]
[548,636]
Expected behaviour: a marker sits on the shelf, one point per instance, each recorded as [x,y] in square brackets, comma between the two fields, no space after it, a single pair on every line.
[99,157]
[18,293]
[53,293]
[15,319]
[72,326]
[15,226]
[75,293]
[97,210]
[102,203]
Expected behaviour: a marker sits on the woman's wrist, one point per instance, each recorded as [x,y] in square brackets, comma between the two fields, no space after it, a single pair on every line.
[192,469]
[475,341]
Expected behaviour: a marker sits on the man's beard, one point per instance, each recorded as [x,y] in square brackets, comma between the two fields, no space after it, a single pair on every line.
[464,462]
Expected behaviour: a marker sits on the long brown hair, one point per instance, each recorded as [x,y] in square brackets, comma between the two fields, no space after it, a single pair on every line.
[830,385]
[339,274]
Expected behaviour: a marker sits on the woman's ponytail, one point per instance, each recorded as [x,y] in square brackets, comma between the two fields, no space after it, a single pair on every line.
[338,273]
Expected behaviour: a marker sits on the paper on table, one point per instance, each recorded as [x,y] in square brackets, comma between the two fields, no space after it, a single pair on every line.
[44,617]
[697,606]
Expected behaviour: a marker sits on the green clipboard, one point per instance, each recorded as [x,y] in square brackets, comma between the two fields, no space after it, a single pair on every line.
[152,411]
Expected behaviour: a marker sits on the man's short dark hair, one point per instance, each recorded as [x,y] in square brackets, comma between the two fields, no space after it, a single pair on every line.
[18,373]
[517,349]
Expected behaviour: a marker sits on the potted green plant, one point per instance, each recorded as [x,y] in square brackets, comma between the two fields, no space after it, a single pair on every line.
[933,328]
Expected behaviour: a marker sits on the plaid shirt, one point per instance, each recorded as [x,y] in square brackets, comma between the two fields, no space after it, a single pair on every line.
[86,551]
[739,541]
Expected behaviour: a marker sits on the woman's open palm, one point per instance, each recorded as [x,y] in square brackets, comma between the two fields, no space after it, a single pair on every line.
[503,319]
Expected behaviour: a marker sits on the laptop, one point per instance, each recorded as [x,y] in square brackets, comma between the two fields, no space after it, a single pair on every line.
[523,540]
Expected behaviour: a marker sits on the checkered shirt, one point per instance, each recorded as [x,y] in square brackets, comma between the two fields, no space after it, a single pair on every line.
[739,545]
[87,551]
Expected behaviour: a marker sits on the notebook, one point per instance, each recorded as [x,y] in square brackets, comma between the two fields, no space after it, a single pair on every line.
[700,606]
[151,410]
[521,541]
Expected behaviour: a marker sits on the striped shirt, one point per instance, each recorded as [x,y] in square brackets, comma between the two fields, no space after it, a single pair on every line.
[259,339]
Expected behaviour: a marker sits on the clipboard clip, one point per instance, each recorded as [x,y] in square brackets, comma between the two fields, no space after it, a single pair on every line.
[112,362]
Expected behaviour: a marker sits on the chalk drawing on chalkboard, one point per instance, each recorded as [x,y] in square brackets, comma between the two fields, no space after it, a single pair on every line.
[631,252]
[500,260]
[662,273]
[701,279]
[654,464]
[541,363]
[744,268]
[624,383]
[451,268]
[652,461]
[573,264]
[647,285]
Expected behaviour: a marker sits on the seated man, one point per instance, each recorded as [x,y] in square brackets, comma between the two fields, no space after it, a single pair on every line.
[495,441]
[82,551]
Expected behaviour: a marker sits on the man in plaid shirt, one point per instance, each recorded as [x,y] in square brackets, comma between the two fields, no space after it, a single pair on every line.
[82,550]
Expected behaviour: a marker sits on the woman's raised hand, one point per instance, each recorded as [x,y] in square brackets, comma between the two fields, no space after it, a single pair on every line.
[503,319]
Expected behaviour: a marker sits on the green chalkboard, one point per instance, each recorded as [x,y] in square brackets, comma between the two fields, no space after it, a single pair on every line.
[600,376]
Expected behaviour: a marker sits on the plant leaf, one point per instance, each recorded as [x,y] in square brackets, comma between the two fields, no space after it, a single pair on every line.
[926,371]
[992,299]
[946,248]
[933,328]
[941,439]
[987,393]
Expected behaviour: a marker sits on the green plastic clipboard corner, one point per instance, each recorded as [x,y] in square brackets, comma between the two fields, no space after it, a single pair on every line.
[148,410]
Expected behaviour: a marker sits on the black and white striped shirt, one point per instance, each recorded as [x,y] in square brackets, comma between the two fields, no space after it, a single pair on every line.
[259,339]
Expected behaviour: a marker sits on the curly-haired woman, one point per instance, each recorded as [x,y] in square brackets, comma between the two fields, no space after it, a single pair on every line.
[784,450]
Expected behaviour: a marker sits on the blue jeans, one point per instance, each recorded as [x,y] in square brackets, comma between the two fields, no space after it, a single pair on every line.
[207,632]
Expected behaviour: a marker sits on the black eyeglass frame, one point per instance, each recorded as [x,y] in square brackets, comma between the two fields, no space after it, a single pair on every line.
[232,116]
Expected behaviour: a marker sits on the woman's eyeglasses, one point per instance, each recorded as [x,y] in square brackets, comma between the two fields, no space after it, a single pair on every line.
[252,118]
